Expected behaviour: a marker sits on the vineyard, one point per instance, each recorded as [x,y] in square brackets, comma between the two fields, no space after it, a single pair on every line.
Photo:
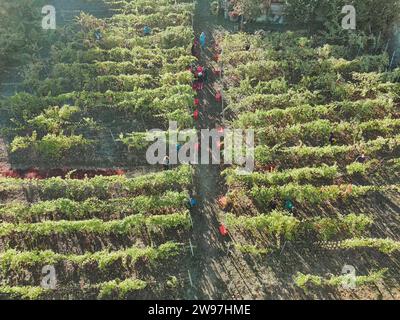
[94,229]
[78,196]
[326,183]
[89,94]
[113,235]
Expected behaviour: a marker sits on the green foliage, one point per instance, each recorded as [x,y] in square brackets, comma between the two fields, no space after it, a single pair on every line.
[282,223]
[63,208]
[120,289]
[351,224]
[362,110]
[276,223]
[129,225]
[387,246]
[21,33]
[104,187]
[307,193]
[372,15]
[55,119]
[317,132]
[305,281]
[13,260]
[124,80]
[251,249]
[360,168]
[52,147]
[27,292]
[297,175]
[327,154]
[172,282]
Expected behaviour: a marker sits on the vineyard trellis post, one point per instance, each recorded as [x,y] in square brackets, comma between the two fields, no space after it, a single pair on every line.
[392,60]
[112,135]
[283,248]
[191,220]
[191,247]
[190,279]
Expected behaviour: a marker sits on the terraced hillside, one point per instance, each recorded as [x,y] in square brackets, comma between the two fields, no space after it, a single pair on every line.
[83,215]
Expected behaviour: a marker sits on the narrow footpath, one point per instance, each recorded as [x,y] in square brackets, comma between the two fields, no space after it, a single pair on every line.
[216,273]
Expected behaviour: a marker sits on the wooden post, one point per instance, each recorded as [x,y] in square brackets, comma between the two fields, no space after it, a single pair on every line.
[392,60]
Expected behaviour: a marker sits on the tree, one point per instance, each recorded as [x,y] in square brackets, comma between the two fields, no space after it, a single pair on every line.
[20,30]
[373,16]
[250,9]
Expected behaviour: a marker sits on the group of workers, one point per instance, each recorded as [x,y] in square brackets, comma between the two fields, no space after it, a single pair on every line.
[200,73]
[199,45]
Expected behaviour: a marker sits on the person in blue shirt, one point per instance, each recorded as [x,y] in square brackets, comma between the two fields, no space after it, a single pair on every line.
[147,30]
[203,40]
[192,202]
[289,205]
[97,35]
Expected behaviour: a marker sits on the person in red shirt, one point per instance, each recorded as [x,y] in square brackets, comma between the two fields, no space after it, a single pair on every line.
[218,96]
[196,114]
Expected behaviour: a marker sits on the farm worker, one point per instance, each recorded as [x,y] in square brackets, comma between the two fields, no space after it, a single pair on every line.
[200,76]
[192,202]
[289,205]
[203,40]
[332,139]
[223,230]
[223,202]
[218,96]
[196,114]
[147,30]
[195,47]
[361,158]
[195,51]
[166,163]
[199,70]
[273,205]
[97,34]
[196,102]
[178,147]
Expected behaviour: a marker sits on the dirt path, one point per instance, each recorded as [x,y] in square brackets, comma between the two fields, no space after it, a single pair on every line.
[215,272]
